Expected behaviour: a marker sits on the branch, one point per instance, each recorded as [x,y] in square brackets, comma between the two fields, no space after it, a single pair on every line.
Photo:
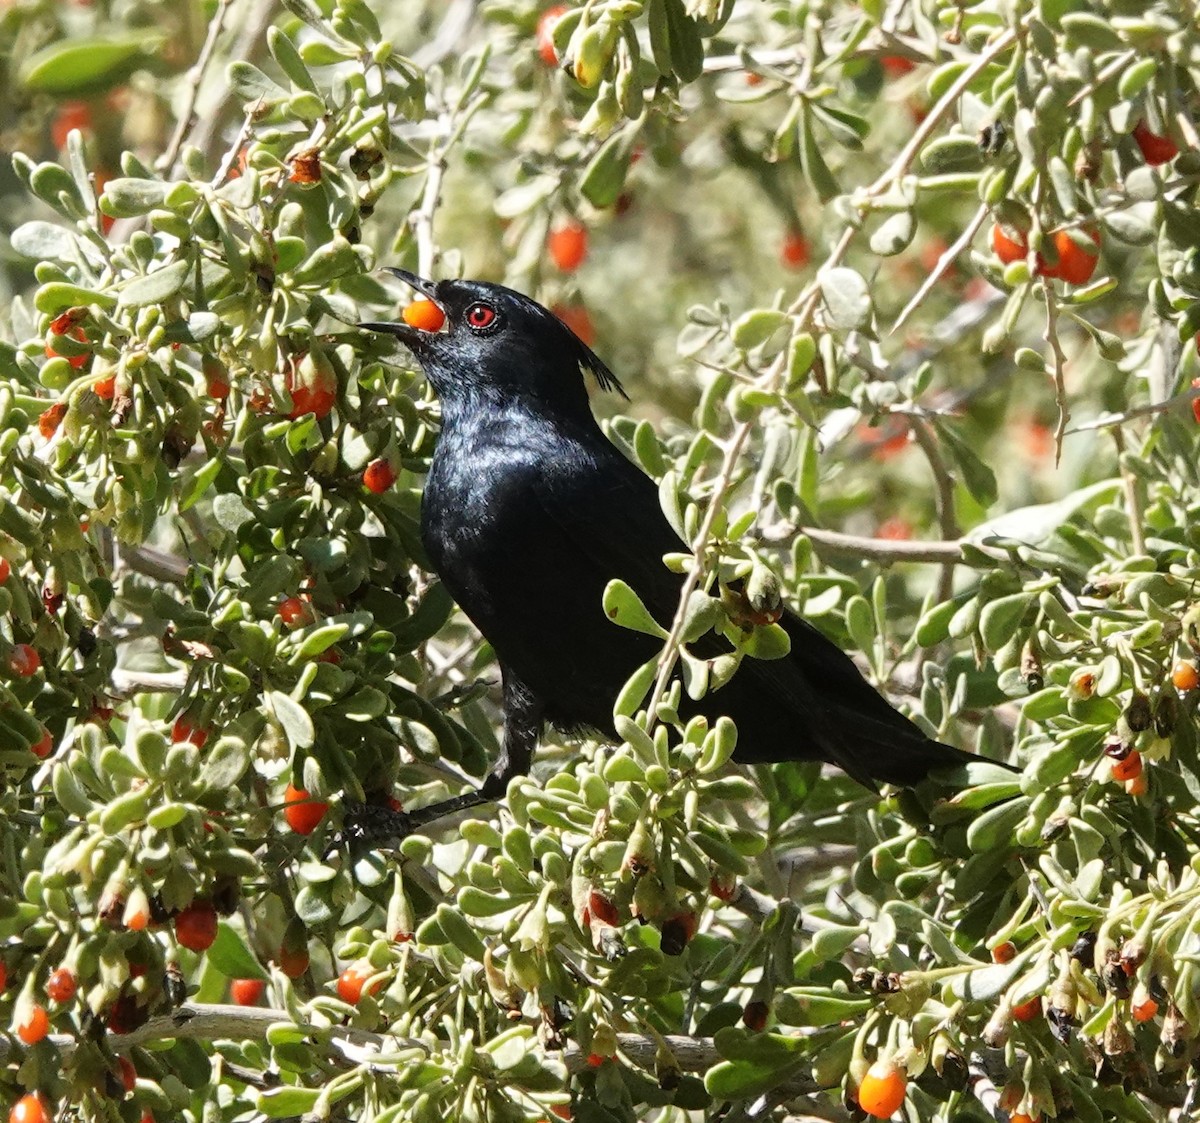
[195,76]
[885,551]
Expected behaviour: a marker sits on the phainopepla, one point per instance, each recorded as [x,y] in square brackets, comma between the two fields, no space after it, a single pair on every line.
[529,511]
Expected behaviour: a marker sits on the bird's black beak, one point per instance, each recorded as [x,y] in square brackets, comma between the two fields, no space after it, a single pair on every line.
[402,330]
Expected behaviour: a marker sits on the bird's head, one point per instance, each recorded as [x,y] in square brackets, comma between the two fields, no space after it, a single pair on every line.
[495,343]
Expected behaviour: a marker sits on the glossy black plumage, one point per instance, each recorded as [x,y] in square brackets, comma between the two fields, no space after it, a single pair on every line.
[529,511]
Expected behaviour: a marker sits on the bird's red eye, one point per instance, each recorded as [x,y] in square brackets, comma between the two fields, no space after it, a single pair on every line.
[481,316]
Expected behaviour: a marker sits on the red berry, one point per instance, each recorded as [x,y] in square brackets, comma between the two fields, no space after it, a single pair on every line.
[50,419]
[544,36]
[897,65]
[1128,767]
[293,962]
[60,987]
[722,886]
[5,570]
[1075,264]
[303,813]
[23,661]
[567,245]
[1155,149]
[882,1090]
[196,926]
[1003,953]
[379,476]
[754,1015]
[317,400]
[1009,243]
[35,1026]
[3,975]
[424,315]
[1028,1010]
[246,992]
[105,388]
[80,336]
[184,730]
[578,319]
[795,251]
[295,613]
[602,908]
[31,1108]
[43,748]
[677,932]
[352,980]
[128,1073]
[70,115]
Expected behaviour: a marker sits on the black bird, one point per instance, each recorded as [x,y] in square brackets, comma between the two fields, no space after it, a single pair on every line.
[529,511]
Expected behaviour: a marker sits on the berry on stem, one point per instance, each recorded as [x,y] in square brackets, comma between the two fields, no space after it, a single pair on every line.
[882,1089]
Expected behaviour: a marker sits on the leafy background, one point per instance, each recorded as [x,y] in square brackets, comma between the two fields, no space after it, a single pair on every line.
[978,477]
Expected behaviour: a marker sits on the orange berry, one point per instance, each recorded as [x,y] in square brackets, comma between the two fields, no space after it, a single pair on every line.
[1196,386]
[43,748]
[1021,1117]
[317,400]
[1145,1010]
[1155,149]
[1184,675]
[544,36]
[1028,1010]
[567,245]
[1128,767]
[352,980]
[31,1108]
[378,476]
[302,812]
[1138,785]
[50,419]
[105,388]
[5,570]
[882,1090]
[246,992]
[60,987]
[35,1026]
[424,315]
[306,166]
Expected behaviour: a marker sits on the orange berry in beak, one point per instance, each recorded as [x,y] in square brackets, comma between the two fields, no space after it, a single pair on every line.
[424,315]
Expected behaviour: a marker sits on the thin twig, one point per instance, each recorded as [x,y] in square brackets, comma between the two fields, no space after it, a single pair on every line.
[884,551]
[1133,500]
[944,262]
[1111,419]
[193,81]
[948,521]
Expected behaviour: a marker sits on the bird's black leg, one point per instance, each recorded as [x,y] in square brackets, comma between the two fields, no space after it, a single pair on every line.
[368,826]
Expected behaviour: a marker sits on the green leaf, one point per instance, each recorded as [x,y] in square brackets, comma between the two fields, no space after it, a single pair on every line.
[77,66]
[847,298]
[604,178]
[755,327]
[156,287]
[280,1103]
[816,171]
[297,725]
[251,84]
[283,51]
[58,296]
[224,764]
[976,476]
[199,482]
[44,241]
[231,955]
[624,607]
